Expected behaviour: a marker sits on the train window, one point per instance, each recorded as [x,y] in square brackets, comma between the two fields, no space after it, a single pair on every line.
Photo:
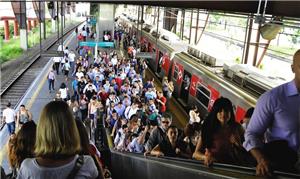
[175,76]
[203,95]
[155,34]
[166,38]
[147,28]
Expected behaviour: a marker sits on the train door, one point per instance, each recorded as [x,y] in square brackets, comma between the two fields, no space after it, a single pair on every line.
[152,62]
[184,92]
[160,62]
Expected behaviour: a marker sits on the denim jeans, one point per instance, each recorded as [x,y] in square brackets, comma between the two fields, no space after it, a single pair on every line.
[11,127]
[51,84]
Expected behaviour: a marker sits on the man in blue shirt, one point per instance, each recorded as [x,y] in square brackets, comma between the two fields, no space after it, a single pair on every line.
[274,126]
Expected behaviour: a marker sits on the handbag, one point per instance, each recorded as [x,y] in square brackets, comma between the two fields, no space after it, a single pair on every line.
[79,162]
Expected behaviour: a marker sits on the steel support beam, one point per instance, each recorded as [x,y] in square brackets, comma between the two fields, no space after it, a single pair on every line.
[247,42]
[191,24]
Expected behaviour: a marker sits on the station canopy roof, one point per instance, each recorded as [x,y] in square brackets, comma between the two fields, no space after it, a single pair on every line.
[289,8]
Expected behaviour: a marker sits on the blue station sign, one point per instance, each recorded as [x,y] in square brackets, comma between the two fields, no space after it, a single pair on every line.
[99,44]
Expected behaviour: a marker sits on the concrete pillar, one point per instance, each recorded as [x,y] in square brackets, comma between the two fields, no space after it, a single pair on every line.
[63,21]
[29,25]
[6,30]
[23,39]
[43,29]
[35,23]
[106,17]
[53,27]
[16,28]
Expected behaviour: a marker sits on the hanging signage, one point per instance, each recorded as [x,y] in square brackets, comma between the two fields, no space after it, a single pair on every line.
[19,9]
[39,9]
[99,44]
[52,9]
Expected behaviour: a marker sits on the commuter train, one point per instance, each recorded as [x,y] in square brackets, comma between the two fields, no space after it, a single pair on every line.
[199,79]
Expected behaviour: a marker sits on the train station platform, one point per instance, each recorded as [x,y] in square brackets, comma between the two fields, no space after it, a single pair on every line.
[36,97]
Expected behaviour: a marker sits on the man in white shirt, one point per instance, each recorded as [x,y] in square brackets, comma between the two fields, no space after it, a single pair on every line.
[84,34]
[60,48]
[131,110]
[56,61]
[120,138]
[72,57]
[114,60]
[66,51]
[51,80]
[9,117]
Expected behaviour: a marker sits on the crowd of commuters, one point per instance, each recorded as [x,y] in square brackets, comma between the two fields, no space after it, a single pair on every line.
[136,113]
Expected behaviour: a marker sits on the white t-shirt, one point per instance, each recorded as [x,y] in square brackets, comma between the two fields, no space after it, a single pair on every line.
[106,37]
[60,48]
[31,169]
[114,61]
[63,93]
[66,51]
[72,57]
[129,111]
[84,33]
[79,75]
[56,59]
[9,115]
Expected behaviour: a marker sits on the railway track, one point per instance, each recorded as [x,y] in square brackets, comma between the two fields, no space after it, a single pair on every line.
[16,87]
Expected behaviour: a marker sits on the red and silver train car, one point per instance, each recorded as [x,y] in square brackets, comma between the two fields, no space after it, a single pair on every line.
[199,79]
[163,49]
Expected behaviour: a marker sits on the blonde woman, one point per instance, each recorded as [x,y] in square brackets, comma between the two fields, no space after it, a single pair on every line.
[56,148]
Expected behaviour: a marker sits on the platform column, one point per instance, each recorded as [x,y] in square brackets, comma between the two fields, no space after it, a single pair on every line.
[43,29]
[24,41]
[29,25]
[6,30]
[53,27]
[34,23]
[16,28]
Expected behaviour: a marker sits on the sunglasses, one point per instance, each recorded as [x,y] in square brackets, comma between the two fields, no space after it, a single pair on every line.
[166,122]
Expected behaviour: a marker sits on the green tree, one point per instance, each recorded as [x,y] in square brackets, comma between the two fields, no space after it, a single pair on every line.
[296,36]
[94,8]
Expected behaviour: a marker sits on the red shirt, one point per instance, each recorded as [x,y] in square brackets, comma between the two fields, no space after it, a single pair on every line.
[103,97]
[80,37]
[162,107]
[119,82]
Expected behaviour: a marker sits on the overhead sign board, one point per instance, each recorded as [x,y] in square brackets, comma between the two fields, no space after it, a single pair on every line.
[99,44]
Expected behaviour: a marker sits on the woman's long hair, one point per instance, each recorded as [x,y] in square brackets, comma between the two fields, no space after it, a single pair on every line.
[22,145]
[57,136]
[211,124]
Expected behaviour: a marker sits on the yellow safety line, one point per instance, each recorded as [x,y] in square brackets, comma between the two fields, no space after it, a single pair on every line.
[32,99]
[30,102]
[109,140]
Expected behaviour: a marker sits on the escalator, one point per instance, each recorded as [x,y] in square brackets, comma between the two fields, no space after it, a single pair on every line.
[131,165]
